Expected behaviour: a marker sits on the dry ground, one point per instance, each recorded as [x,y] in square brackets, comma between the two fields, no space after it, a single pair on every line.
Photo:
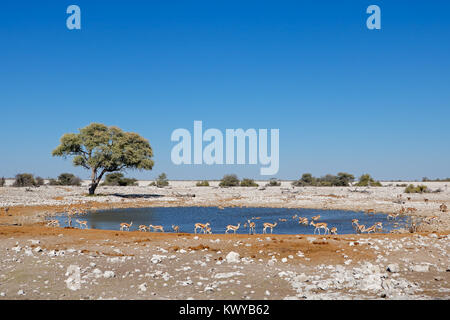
[135,265]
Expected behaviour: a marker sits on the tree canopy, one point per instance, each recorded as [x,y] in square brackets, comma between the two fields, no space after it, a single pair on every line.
[104,149]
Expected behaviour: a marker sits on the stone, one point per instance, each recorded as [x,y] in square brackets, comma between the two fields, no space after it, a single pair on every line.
[109,274]
[393,267]
[143,287]
[419,268]
[233,257]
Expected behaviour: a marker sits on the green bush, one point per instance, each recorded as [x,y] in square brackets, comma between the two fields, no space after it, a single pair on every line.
[229,180]
[419,189]
[117,179]
[65,179]
[273,183]
[367,181]
[342,179]
[2,181]
[39,181]
[24,180]
[203,183]
[248,183]
[162,181]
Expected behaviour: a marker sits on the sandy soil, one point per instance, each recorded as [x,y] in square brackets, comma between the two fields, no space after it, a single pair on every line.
[138,265]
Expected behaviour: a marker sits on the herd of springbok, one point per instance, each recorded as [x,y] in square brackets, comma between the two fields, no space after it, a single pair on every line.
[251,225]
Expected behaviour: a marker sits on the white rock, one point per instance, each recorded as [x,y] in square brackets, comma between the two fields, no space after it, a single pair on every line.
[109,274]
[143,287]
[393,267]
[227,275]
[233,257]
[419,268]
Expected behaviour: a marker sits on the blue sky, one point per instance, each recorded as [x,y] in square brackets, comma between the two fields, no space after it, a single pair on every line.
[345,98]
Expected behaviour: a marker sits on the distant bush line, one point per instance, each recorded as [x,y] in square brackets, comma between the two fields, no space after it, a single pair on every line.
[231,180]
[425,179]
[342,179]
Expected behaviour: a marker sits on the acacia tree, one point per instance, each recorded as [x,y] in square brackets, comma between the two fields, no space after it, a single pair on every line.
[103,149]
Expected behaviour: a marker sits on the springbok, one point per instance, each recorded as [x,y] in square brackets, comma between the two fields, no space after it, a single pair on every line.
[315,218]
[231,227]
[320,225]
[208,230]
[370,229]
[82,223]
[303,221]
[176,228]
[156,228]
[251,227]
[443,208]
[143,227]
[53,223]
[333,230]
[358,227]
[379,226]
[392,216]
[355,224]
[201,226]
[125,225]
[269,225]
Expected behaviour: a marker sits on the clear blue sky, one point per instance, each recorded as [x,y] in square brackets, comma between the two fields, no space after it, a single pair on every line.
[345,98]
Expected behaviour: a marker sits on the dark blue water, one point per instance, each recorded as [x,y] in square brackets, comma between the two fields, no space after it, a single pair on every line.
[186,217]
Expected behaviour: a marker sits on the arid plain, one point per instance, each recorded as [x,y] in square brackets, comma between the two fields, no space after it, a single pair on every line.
[115,264]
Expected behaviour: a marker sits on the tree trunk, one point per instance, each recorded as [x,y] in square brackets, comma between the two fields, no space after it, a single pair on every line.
[92,188]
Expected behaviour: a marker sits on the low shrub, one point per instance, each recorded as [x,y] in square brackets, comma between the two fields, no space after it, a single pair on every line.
[248,183]
[162,181]
[419,189]
[39,181]
[2,181]
[367,181]
[342,179]
[229,180]
[24,180]
[65,179]
[203,183]
[117,179]
[273,183]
